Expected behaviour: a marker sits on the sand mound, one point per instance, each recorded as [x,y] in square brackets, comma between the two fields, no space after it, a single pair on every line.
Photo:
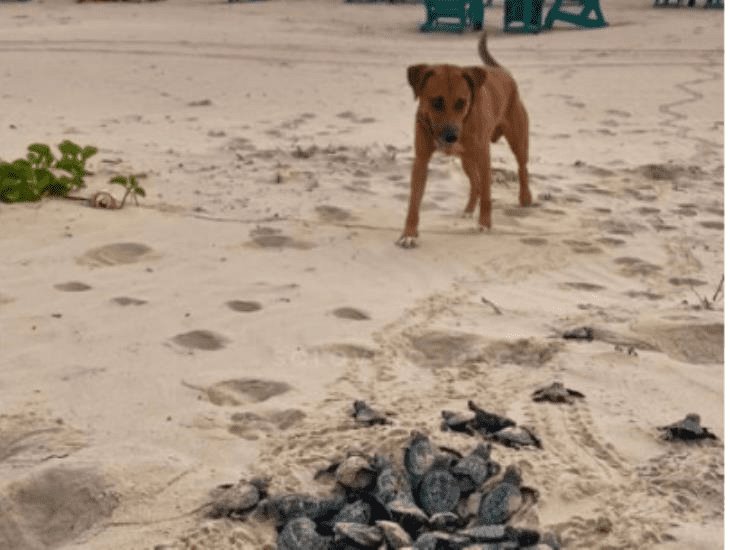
[53,507]
[116,254]
[697,344]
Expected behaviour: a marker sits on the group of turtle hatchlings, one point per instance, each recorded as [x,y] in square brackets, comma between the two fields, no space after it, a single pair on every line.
[433,498]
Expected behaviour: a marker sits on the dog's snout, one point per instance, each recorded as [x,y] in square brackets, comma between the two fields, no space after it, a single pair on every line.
[450,134]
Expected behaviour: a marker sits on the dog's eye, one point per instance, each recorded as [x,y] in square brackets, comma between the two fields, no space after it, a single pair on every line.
[459,105]
[438,104]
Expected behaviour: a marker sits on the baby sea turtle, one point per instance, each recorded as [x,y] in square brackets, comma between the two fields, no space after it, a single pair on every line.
[505,545]
[458,422]
[419,456]
[445,521]
[366,415]
[354,512]
[388,481]
[687,429]
[438,540]
[406,512]
[487,422]
[395,536]
[239,499]
[523,537]
[486,533]
[282,509]
[503,500]
[355,473]
[365,536]
[556,393]
[438,491]
[475,468]
[580,333]
[301,533]
[516,437]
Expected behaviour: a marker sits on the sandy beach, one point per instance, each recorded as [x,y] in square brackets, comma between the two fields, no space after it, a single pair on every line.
[223,327]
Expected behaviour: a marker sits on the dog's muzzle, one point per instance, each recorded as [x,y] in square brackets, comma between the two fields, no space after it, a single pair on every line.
[449,135]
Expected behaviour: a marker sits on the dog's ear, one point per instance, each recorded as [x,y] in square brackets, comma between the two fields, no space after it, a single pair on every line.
[475,77]
[417,77]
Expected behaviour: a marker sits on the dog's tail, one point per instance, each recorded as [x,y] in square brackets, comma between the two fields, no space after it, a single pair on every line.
[484,53]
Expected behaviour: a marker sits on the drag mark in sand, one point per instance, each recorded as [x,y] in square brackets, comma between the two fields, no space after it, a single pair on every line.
[72,286]
[127,301]
[54,507]
[244,306]
[351,313]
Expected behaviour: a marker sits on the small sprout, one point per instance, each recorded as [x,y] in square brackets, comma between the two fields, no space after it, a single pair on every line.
[131,187]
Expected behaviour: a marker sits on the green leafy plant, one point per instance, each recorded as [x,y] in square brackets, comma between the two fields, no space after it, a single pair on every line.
[131,186]
[40,173]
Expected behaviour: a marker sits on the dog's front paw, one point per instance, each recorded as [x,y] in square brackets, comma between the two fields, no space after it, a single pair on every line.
[484,228]
[406,242]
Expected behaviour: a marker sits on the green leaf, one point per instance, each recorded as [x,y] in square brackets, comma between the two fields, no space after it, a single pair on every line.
[88,151]
[71,166]
[121,180]
[40,148]
[69,148]
[141,192]
[22,169]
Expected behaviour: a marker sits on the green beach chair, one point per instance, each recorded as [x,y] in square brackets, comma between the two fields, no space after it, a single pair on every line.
[582,19]
[527,14]
[453,15]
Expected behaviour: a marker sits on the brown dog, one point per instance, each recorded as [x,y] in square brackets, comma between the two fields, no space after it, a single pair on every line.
[460,111]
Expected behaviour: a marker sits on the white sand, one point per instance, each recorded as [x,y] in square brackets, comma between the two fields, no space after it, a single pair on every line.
[99,405]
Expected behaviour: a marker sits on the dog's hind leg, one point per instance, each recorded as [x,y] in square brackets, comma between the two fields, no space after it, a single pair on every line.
[517,135]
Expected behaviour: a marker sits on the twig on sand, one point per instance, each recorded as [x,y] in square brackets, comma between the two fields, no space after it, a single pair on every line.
[704,302]
[719,288]
[494,306]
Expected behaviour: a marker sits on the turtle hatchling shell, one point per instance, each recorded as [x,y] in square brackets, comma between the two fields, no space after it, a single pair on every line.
[388,482]
[395,535]
[506,545]
[406,511]
[283,509]
[438,492]
[499,504]
[556,393]
[356,473]
[485,533]
[516,437]
[299,534]
[419,456]
[355,512]
[487,422]
[437,540]
[471,471]
[445,521]
[457,421]
[367,536]
[688,428]
[237,499]
[365,414]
